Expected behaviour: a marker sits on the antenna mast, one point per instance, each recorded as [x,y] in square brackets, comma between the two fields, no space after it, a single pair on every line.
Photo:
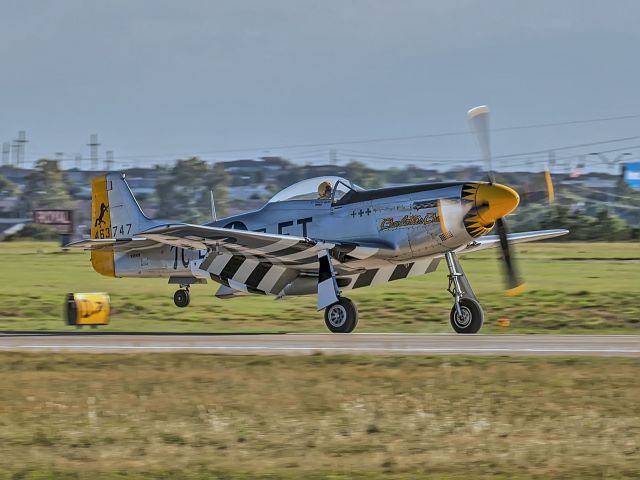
[214,216]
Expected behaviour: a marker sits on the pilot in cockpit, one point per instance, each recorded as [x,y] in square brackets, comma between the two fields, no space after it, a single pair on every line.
[324,191]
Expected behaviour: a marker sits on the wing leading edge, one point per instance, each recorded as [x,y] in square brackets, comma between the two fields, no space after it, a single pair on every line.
[489,241]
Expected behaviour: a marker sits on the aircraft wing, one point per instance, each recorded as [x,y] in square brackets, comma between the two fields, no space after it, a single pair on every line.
[285,249]
[489,241]
[282,249]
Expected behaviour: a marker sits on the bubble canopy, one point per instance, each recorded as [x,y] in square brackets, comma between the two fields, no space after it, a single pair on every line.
[308,189]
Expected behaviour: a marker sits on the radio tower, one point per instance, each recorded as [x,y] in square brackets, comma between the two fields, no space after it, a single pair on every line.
[6,149]
[109,162]
[21,142]
[15,153]
[93,143]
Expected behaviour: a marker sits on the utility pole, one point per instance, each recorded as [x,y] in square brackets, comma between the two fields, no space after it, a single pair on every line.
[15,146]
[109,162]
[21,142]
[78,161]
[6,149]
[611,164]
[552,159]
[93,143]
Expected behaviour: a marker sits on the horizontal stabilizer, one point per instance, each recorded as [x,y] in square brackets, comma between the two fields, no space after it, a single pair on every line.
[111,244]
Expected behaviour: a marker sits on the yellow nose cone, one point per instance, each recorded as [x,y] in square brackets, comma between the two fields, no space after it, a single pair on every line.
[495,201]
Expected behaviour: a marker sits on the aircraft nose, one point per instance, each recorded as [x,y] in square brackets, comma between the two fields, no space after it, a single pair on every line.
[494,201]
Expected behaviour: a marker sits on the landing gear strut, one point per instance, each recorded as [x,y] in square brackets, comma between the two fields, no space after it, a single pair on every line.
[182,298]
[340,313]
[466,315]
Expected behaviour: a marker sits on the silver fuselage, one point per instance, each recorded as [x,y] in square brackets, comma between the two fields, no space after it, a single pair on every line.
[406,220]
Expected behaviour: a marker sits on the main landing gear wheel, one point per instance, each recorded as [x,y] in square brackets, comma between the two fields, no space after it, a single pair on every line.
[342,316]
[181,298]
[470,318]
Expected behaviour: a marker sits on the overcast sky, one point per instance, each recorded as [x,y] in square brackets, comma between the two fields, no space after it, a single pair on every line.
[164,77]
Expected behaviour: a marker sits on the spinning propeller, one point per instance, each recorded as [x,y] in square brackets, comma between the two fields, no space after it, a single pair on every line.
[495,201]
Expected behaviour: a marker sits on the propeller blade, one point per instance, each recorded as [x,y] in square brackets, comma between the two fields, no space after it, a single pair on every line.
[515,285]
[550,193]
[479,120]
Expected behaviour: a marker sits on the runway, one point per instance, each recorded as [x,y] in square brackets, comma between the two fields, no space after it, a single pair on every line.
[305,344]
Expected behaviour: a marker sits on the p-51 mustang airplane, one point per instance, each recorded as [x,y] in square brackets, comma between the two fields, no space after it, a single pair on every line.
[321,236]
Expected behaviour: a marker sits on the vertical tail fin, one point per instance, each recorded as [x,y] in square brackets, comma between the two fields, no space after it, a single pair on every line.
[115,213]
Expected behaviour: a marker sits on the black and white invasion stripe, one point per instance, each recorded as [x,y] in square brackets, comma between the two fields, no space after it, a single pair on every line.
[377,276]
[246,274]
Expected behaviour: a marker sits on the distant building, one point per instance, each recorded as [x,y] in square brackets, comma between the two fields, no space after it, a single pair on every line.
[142,184]
[592,181]
[8,205]
[245,192]
[16,175]
[247,171]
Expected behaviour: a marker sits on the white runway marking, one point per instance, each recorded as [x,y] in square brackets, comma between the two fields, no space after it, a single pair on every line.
[330,349]
[305,344]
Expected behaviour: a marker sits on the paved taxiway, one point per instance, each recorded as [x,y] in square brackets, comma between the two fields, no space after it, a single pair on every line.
[300,344]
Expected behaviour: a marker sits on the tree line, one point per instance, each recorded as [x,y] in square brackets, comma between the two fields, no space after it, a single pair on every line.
[182,192]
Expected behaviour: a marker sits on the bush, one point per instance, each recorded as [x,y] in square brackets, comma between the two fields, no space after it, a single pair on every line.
[35,231]
[600,226]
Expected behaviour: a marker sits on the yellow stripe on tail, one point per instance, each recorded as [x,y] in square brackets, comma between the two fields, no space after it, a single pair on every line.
[102,261]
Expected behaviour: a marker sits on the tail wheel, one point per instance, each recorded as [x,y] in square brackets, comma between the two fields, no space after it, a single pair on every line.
[342,316]
[470,318]
[181,298]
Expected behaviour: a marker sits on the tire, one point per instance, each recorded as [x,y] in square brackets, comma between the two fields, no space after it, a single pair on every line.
[181,298]
[472,316]
[342,316]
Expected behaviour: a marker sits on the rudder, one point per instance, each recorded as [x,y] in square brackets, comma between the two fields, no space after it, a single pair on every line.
[100,213]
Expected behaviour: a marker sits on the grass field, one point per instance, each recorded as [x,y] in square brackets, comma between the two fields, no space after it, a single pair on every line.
[172,416]
[571,288]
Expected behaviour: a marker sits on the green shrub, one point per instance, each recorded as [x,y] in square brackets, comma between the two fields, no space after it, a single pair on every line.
[35,231]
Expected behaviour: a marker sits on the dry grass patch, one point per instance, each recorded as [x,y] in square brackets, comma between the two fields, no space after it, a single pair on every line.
[202,416]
